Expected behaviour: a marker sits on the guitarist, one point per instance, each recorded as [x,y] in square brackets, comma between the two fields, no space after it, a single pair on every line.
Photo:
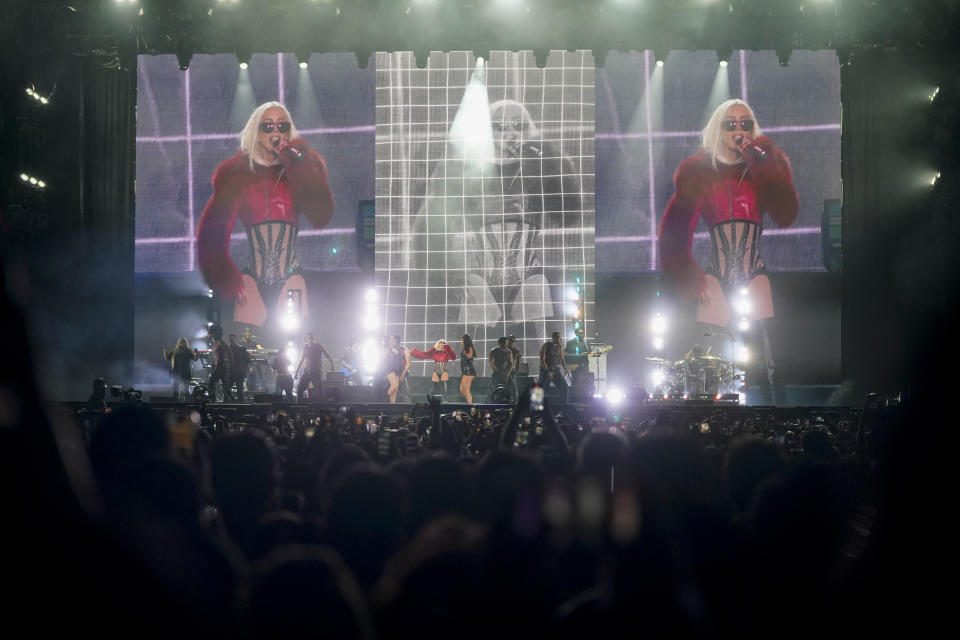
[578,346]
[350,362]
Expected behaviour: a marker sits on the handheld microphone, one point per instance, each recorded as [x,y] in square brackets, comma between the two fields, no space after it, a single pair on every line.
[758,152]
[293,152]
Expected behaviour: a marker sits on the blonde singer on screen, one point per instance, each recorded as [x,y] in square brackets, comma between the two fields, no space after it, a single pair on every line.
[737,176]
[274,179]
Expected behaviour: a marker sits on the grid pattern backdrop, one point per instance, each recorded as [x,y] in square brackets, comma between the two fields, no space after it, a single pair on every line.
[649,119]
[484,197]
[189,121]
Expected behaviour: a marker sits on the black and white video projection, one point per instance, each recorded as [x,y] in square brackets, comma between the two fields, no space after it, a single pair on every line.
[650,117]
[484,197]
[190,121]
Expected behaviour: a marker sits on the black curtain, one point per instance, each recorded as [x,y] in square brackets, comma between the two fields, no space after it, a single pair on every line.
[81,280]
[898,282]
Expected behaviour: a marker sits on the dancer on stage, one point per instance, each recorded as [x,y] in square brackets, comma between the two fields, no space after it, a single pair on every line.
[553,366]
[467,369]
[282,364]
[239,361]
[268,184]
[441,353]
[220,364]
[501,362]
[180,358]
[312,357]
[736,177]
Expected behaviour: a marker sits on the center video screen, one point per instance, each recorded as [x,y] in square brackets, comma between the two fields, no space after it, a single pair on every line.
[485,217]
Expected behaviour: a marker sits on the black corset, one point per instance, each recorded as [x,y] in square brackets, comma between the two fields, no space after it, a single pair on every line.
[736,259]
[272,259]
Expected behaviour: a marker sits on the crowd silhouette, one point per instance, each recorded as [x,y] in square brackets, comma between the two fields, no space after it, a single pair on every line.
[519,524]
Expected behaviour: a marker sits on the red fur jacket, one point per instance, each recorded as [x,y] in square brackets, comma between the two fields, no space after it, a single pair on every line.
[444,355]
[729,192]
[279,192]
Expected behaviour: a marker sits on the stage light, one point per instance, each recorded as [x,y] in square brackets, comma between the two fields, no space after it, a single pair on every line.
[933,95]
[744,291]
[658,324]
[658,377]
[370,322]
[244,65]
[209,293]
[744,306]
[658,343]
[371,295]
[783,57]
[41,184]
[304,65]
[743,355]
[290,322]
[935,179]
[24,177]
[421,58]
[243,57]
[744,325]
[616,396]
[33,180]
[540,57]
[183,58]
[292,354]
[660,55]
[724,54]
[370,356]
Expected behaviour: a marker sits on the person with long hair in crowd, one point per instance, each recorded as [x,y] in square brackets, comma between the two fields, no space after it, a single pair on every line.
[180,358]
[467,369]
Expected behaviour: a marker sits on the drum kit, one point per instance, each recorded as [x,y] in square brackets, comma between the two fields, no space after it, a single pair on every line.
[694,375]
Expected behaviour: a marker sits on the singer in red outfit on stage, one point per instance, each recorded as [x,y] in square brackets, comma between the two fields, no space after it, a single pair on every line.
[737,177]
[274,179]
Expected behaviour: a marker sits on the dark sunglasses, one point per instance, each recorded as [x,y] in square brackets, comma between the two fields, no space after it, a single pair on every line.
[284,127]
[731,125]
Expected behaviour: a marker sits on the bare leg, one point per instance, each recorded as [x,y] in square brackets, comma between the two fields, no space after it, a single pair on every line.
[393,382]
[465,383]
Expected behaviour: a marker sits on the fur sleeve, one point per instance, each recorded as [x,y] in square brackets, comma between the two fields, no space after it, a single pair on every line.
[422,355]
[213,233]
[777,194]
[676,231]
[451,354]
[308,184]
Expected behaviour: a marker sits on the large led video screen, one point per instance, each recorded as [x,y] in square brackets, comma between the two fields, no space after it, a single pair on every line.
[650,118]
[189,122]
[485,215]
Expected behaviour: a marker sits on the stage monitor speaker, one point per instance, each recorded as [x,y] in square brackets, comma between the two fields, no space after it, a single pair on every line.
[363,394]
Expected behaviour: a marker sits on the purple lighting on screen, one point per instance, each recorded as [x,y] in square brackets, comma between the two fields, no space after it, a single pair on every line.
[653,199]
[690,134]
[191,227]
[334,231]
[798,231]
[226,136]
[743,75]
